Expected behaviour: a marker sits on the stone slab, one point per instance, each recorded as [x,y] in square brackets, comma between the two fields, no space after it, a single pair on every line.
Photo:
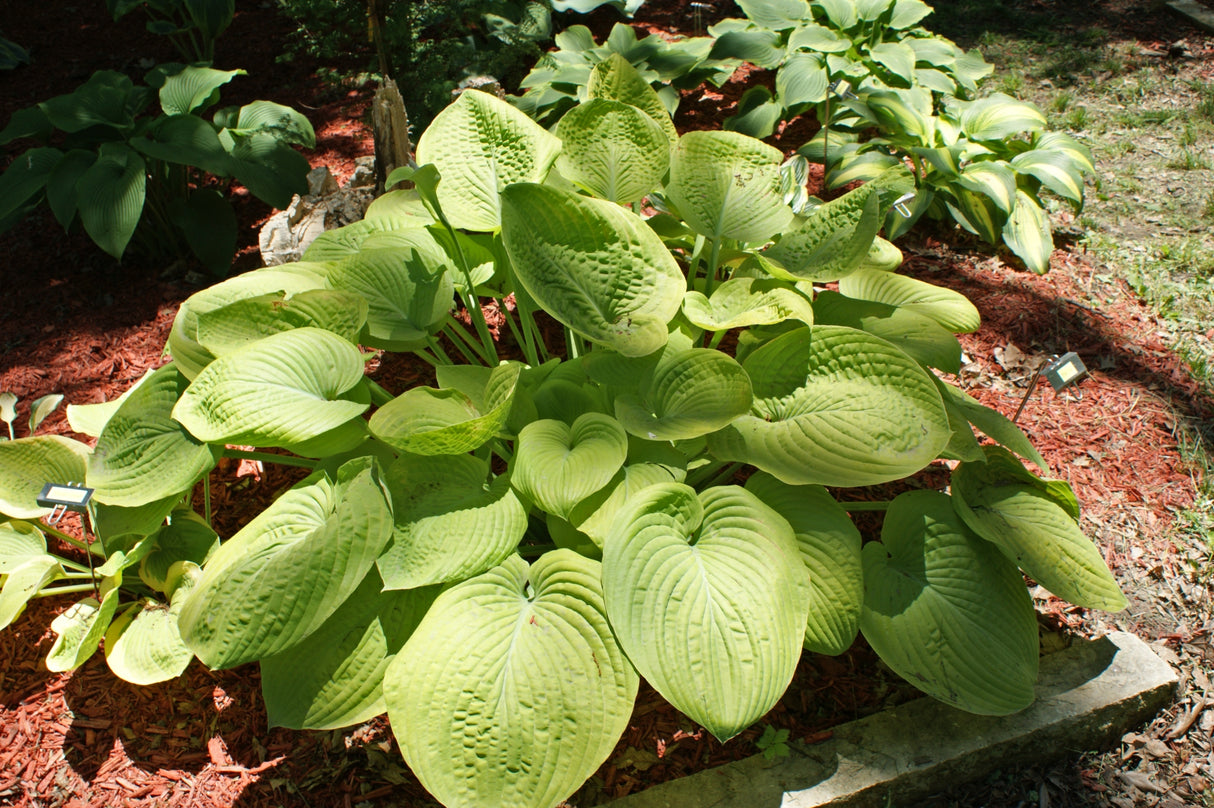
[1087,696]
[1197,14]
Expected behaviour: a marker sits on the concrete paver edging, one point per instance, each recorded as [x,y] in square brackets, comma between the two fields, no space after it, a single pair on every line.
[1087,696]
[1199,15]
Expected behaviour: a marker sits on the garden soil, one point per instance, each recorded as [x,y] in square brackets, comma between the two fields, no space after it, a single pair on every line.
[75,323]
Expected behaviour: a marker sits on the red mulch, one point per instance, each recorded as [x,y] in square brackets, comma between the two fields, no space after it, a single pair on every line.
[71,322]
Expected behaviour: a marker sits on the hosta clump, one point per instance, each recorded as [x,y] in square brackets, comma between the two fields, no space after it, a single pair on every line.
[496,558]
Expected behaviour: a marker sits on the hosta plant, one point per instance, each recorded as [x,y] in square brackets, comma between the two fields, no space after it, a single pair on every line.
[495,558]
[191,25]
[138,182]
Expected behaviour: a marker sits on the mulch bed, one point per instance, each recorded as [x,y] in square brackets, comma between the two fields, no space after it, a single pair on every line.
[73,323]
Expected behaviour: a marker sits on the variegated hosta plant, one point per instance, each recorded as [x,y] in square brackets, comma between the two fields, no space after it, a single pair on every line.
[496,558]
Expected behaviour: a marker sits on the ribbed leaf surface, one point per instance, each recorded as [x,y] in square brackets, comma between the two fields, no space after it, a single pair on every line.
[23,581]
[282,576]
[281,389]
[830,547]
[334,678]
[1029,235]
[556,465]
[837,407]
[613,150]
[615,79]
[946,611]
[999,116]
[408,291]
[687,395]
[19,542]
[512,690]
[742,302]
[480,145]
[833,240]
[450,523]
[143,645]
[592,265]
[28,464]
[727,185]
[110,196]
[142,454]
[79,631]
[224,330]
[192,88]
[919,337]
[709,599]
[1005,504]
[950,309]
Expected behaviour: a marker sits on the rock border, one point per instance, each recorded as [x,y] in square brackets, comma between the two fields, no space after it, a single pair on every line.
[1088,695]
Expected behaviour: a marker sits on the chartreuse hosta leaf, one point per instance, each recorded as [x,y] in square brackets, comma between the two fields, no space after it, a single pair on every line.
[615,79]
[90,419]
[994,180]
[687,394]
[946,611]
[1028,233]
[143,645]
[742,302]
[451,522]
[187,537]
[480,145]
[183,343]
[429,421]
[143,454]
[592,265]
[613,150]
[993,423]
[192,87]
[334,677]
[1000,116]
[28,464]
[727,185]
[595,515]
[1025,517]
[22,581]
[223,330]
[833,240]
[282,576]
[948,308]
[919,337]
[830,547]
[408,290]
[512,691]
[836,406]
[401,209]
[79,631]
[284,388]
[1079,155]
[19,542]
[1056,170]
[556,465]
[709,599]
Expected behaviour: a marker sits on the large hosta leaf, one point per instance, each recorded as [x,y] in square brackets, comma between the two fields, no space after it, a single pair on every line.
[833,240]
[594,266]
[110,195]
[187,537]
[595,515]
[235,325]
[23,581]
[830,547]
[282,576]
[426,421]
[284,388]
[79,631]
[615,79]
[688,394]
[709,599]
[512,690]
[742,302]
[408,289]
[999,116]
[143,645]
[1029,235]
[946,611]
[480,145]
[450,523]
[1033,525]
[558,465]
[835,406]
[334,678]
[613,150]
[948,308]
[19,542]
[727,185]
[920,337]
[28,464]
[142,454]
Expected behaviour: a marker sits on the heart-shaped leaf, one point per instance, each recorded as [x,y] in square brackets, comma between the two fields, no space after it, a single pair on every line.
[193,87]
[727,185]
[480,145]
[948,308]
[743,302]
[615,79]
[556,465]
[450,523]
[284,388]
[143,645]
[235,325]
[187,537]
[282,576]
[946,611]
[835,406]
[613,150]
[919,337]
[142,454]
[334,677]
[592,265]
[1007,505]
[519,665]
[830,547]
[689,393]
[709,599]
[595,515]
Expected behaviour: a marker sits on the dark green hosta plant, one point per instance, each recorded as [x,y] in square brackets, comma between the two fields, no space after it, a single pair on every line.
[191,25]
[138,182]
[497,557]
